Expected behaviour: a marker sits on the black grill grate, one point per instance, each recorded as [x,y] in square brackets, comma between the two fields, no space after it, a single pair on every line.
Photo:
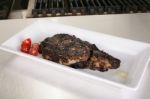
[88,7]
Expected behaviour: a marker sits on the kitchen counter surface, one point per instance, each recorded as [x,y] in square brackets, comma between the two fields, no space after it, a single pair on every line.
[16,85]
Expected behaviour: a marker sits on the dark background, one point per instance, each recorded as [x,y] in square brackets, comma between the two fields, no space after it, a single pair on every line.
[20,4]
[6,6]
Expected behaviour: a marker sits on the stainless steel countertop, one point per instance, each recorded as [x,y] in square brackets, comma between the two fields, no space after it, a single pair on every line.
[14,85]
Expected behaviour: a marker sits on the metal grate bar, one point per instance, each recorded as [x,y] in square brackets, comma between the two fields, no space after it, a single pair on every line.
[88,7]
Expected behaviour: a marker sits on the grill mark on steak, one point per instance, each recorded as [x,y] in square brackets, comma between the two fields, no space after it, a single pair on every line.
[71,51]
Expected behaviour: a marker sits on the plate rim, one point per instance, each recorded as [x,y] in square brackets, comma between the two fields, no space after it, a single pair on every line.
[135,87]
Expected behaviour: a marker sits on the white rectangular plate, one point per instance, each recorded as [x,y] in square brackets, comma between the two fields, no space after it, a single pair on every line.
[134,55]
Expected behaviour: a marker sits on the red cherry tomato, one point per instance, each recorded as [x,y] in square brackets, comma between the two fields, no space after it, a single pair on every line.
[27,42]
[25,46]
[33,51]
[25,49]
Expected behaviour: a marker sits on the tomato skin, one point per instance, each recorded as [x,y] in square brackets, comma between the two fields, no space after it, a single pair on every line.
[25,48]
[25,45]
[33,51]
[27,42]
[36,45]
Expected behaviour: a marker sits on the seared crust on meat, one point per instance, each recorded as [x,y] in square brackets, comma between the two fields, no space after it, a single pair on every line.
[71,51]
[102,61]
[65,49]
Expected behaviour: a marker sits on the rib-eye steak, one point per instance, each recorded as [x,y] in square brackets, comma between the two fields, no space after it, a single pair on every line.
[71,51]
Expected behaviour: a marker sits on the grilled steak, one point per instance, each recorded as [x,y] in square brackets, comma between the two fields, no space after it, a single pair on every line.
[65,49]
[102,61]
[71,51]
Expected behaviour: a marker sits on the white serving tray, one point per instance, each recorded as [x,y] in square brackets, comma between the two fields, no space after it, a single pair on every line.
[134,55]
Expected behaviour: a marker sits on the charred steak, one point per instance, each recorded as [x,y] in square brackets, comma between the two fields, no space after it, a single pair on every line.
[65,49]
[71,51]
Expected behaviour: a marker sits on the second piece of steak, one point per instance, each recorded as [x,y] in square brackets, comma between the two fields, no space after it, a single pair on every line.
[102,61]
[71,51]
[98,60]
